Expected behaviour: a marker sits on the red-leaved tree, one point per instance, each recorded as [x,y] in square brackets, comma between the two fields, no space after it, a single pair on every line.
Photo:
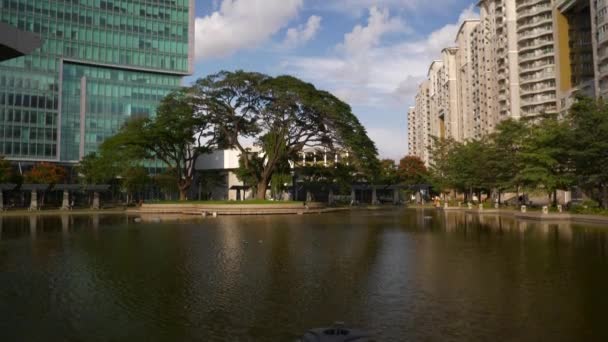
[411,170]
[45,173]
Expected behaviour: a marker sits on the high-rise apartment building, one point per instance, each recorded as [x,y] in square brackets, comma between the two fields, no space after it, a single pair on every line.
[599,35]
[537,57]
[422,123]
[411,130]
[576,50]
[101,62]
[466,80]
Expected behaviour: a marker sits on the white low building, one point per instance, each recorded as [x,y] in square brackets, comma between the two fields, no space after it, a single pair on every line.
[218,178]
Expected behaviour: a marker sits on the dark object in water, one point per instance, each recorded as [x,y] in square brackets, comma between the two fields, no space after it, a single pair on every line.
[337,333]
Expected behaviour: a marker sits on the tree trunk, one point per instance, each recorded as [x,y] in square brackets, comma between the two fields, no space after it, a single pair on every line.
[555,198]
[183,196]
[604,196]
[184,185]
[261,189]
[1,200]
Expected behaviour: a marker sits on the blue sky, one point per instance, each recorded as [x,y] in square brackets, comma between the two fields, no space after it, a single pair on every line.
[370,53]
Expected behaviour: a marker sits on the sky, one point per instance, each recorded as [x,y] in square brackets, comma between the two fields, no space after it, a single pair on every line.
[371,54]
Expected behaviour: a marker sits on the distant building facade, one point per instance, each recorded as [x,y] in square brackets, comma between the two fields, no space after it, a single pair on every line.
[101,63]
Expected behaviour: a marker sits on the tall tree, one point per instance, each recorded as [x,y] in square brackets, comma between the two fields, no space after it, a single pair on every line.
[134,180]
[6,170]
[589,146]
[177,136]
[388,172]
[282,115]
[6,175]
[99,168]
[508,141]
[45,173]
[545,158]
[411,170]
[441,166]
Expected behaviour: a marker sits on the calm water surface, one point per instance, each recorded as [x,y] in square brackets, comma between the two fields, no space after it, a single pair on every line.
[408,275]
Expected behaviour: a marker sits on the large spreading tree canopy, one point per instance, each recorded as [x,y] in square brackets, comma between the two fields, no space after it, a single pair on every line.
[281,116]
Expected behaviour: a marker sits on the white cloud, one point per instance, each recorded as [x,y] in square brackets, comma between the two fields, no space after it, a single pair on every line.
[371,73]
[241,24]
[304,33]
[359,7]
[379,23]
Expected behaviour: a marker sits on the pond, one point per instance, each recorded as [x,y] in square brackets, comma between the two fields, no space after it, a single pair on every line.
[399,274]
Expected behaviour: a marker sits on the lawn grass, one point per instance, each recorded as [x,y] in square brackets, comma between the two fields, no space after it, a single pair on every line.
[254,201]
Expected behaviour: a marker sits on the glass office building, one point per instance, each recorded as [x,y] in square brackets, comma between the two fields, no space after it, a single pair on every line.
[101,62]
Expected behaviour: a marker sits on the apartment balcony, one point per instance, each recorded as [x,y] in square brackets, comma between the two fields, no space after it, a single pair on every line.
[603,63]
[537,111]
[602,38]
[536,90]
[532,67]
[536,78]
[536,21]
[535,33]
[527,3]
[537,44]
[603,70]
[601,20]
[539,54]
[532,11]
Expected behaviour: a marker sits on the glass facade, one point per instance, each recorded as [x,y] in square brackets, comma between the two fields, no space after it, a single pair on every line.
[101,62]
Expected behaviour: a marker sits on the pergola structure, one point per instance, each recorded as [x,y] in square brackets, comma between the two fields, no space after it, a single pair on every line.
[5,187]
[374,188]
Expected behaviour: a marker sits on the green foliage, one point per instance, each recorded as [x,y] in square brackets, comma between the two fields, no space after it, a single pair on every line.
[251,166]
[589,145]
[507,141]
[135,179]
[277,183]
[544,156]
[388,172]
[98,168]
[544,153]
[177,136]
[589,207]
[6,170]
[442,168]
[166,182]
